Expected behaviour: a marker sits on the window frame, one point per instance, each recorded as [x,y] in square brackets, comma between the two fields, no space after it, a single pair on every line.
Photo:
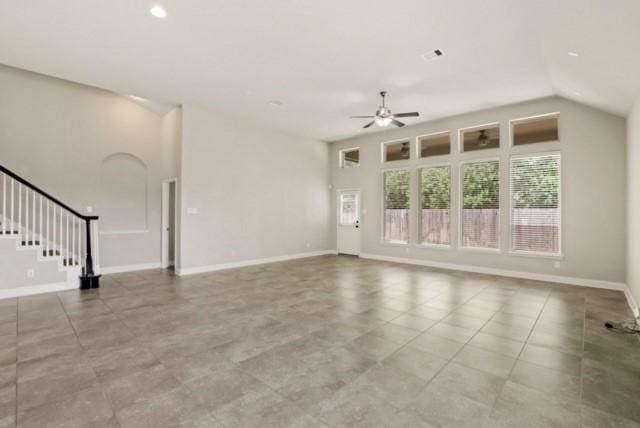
[418,227]
[382,207]
[538,254]
[534,118]
[433,134]
[386,143]
[341,157]
[460,246]
[461,132]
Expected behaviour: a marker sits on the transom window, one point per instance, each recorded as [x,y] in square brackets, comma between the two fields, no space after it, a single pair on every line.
[486,137]
[396,150]
[349,158]
[434,145]
[535,130]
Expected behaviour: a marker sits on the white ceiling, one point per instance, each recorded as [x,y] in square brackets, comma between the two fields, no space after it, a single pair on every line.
[328,59]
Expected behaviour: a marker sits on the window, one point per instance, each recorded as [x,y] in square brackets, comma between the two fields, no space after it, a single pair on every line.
[535,204]
[398,150]
[480,204]
[435,201]
[487,137]
[535,130]
[434,145]
[396,206]
[349,158]
[348,208]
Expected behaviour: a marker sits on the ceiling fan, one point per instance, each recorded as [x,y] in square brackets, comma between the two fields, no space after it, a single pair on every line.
[384,117]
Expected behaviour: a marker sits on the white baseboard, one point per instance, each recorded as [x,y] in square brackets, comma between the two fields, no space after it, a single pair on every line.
[631,301]
[231,265]
[584,282]
[36,289]
[129,268]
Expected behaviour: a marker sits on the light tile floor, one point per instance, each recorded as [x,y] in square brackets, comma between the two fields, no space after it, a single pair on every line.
[326,341]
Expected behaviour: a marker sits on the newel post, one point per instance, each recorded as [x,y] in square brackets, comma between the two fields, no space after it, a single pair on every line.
[89,279]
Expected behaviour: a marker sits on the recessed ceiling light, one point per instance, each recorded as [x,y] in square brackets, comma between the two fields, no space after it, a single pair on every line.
[576,93]
[573,54]
[431,55]
[158,11]
[275,103]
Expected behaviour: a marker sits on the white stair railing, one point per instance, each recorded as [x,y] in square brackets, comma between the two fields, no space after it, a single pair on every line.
[42,222]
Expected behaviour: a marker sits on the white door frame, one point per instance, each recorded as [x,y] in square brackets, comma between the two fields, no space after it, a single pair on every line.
[164,224]
[338,214]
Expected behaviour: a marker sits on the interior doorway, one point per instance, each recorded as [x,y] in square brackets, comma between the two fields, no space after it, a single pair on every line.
[169,192]
[348,238]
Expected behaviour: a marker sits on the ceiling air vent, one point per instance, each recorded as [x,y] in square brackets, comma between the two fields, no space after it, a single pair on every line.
[431,55]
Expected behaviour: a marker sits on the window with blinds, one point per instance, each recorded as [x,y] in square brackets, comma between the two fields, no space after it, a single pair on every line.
[396,206]
[435,202]
[480,217]
[535,204]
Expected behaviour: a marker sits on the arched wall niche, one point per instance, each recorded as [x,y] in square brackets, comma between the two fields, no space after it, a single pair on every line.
[123,194]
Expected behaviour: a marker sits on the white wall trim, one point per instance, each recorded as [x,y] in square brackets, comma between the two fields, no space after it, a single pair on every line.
[631,301]
[129,268]
[584,282]
[231,265]
[36,289]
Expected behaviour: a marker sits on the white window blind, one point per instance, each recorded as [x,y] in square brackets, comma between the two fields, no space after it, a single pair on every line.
[396,206]
[535,204]
[435,201]
[480,217]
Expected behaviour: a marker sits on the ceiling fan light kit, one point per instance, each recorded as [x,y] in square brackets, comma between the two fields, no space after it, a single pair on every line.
[384,117]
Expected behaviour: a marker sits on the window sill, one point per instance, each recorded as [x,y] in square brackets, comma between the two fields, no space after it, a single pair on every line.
[433,246]
[536,255]
[395,243]
[480,250]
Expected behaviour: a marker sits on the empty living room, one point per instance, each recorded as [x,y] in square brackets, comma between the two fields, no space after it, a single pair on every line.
[296,213]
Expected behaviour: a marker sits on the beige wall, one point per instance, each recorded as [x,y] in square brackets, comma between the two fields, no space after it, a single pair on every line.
[592,144]
[57,134]
[258,193]
[633,201]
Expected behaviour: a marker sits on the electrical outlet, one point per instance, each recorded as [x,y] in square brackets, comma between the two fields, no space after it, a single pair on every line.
[31,273]
[556,265]
[233,253]
[406,250]
[192,210]
[308,245]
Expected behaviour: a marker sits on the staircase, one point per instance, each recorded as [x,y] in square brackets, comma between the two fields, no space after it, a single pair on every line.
[38,222]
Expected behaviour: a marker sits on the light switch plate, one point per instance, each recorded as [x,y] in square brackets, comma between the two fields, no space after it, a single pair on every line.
[89,210]
[192,211]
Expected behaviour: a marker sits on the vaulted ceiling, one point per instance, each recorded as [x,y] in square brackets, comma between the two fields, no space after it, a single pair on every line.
[327,60]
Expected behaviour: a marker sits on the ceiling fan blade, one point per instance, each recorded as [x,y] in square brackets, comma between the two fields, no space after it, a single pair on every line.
[397,123]
[360,117]
[412,114]
[369,124]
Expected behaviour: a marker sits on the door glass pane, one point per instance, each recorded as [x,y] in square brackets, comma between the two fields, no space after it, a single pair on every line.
[348,208]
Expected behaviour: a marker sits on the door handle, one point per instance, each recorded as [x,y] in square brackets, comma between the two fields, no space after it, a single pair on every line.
[357,226]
